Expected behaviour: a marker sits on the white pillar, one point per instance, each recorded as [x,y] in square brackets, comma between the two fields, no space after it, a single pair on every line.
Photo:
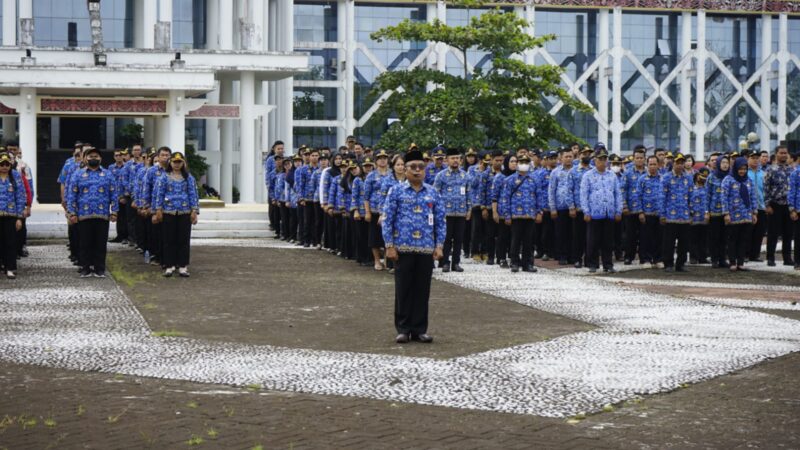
[285,88]
[341,56]
[616,82]
[176,121]
[783,61]
[9,22]
[686,82]
[165,21]
[700,89]
[272,94]
[25,14]
[225,24]
[226,145]
[212,143]
[149,133]
[441,50]
[212,24]
[350,69]
[530,17]
[145,17]
[602,78]
[27,128]
[247,158]
[766,92]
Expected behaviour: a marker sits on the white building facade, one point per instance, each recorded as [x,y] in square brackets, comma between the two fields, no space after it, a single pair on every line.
[232,76]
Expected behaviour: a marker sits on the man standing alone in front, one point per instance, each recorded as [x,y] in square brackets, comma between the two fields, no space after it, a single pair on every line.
[413,230]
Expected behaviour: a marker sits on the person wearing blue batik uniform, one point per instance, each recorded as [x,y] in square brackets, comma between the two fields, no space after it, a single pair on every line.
[91,203]
[793,203]
[12,206]
[176,206]
[716,224]
[357,212]
[650,197]
[452,185]
[616,168]
[436,166]
[131,214]
[474,230]
[293,200]
[487,200]
[579,225]
[413,230]
[64,177]
[601,203]
[271,165]
[116,170]
[499,208]
[759,229]
[776,185]
[155,245]
[373,206]
[740,207]
[522,212]
[544,231]
[561,202]
[698,205]
[632,207]
[675,215]
[304,185]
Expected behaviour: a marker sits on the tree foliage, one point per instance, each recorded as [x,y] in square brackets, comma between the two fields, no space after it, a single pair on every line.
[502,106]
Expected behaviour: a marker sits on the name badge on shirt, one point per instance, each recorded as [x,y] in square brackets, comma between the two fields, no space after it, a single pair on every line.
[430,219]
[463,190]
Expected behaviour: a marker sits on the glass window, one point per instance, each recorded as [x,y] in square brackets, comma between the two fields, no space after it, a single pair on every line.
[315,137]
[315,103]
[189,23]
[793,77]
[315,22]
[322,64]
[52,19]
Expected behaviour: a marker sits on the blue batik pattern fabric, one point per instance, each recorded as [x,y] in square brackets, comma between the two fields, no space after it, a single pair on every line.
[560,192]
[312,184]
[414,221]
[343,198]
[291,194]
[357,197]
[116,172]
[138,190]
[302,178]
[630,191]
[431,171]
[372,191]
[453,189]
[490,194]
[601,197]
[279,184]
[519,196]
[793,192]
[66,170]
[776,184]
[151,177]
[269,169]
[651,194]
[475,177]
[575,177]
[714,196]
[698,203]
[387,184]
[542,179]
[176,197]
[92,195]
[676,190]
[734,205]
[12,195]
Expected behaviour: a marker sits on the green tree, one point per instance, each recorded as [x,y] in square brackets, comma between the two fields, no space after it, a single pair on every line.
[502,106]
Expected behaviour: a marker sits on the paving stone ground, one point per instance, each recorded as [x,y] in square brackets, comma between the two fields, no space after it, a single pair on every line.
[55,408]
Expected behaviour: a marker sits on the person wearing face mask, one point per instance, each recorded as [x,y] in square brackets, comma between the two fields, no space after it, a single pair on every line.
[452,184]
[91,203]
[675,215]
[716,225]
[12,207]
[601,202]
[499,209]
[740,209]
[579,225]
[616,169]
[521,213]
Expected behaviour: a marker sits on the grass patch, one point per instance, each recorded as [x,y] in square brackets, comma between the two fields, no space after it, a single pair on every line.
[253,387]
[194,440]
[149,306]
[168,333]
[120,274]
[81,409]
[212,433]
[192,405]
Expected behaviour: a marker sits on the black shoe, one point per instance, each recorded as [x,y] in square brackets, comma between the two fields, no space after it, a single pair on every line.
[24,253]
[446,268]
[669,269]
[628,262]
[563,262]
[504,264]
[788,262]
[609,270]
[681,269]
[457,268]
[401,338]
[715,265]
[702,261]
[530,269]
[514,268]
[98,274]
[86,273]
[424,338]
[771,263]
[578,265]
[692,261]
[306,245]
[490,262]
[756,260]
[592,269]
[724,265]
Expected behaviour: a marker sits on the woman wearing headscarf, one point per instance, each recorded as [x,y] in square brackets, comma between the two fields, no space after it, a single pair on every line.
[499,209]
[740,212]
[327,185]
[716,222]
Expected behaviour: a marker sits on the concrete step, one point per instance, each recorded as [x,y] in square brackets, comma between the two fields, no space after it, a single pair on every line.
[205,224]
[230,234]
[223,214]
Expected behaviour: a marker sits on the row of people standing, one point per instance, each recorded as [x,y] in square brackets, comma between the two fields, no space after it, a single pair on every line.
[150,195]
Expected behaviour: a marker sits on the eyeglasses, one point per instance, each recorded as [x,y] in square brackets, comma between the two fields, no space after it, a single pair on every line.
[415,166]
[5,164]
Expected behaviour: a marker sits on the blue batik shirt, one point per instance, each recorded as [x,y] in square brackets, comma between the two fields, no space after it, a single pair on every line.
[576,174]
[12,196]
[278,184]
[776,184]
[631,197]
[372,190]
[542,179]
[601,197]
[453,189]
[757,177]
[651,194]
[560,192]
[151,177]
[414,221]
[676,190]
[176,197]
[698,204]
[793,192]
[313,190]
[489,194]
[475,177]
[357,197]
[92,195]
[431,171]
[387,183]
[519,197]
[714,195]
[734,205]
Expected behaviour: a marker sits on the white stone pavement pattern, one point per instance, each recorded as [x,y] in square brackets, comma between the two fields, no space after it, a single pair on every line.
[646,343]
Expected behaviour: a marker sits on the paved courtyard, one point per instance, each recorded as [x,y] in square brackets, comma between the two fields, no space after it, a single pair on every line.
[272,345]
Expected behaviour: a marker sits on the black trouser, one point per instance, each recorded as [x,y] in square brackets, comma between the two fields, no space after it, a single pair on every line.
[22,236]
[453,239]
[738,242]
[672,232]
[349,236]
[466,241]
[579,238]
[359,236]
[122,223]
[698,245]
[319,223]
[757,235]
[284,228]
[522,235]
[93,236]
[563,231]
[177,233]
[600,237]
[309,224]
[503,238]
[300,213]
[412,288]
[8,242]
[156,243]
[292,223]
[274,217]
[375,232]
[130,218]
[72,235]
[477,232]
[796,240]
[330,232]
[632,228]
[490,237]
[780,224]
[544,235]
[650,240]
[141,231]
[716,239]
[618,239]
